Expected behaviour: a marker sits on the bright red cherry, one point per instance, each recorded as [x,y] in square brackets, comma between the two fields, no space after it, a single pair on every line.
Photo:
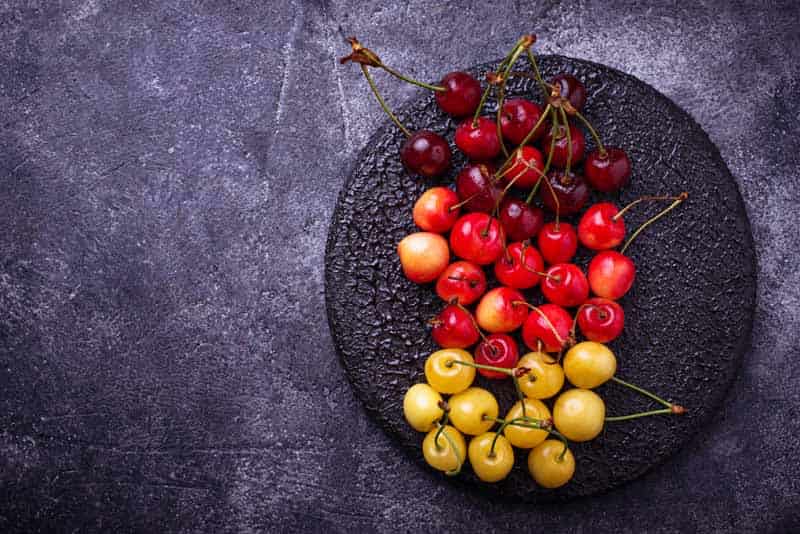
[497,350]
[455,328]
[479,142]
[600,227]
[561,148]
[552,329]
[463,281]
[426,153]
[475,188]
[601,320]
[611,274]
[570,190]
[510,270]
[461,96]
[527,167]
[520,220]
[572,89]
[435,210]
[558,242]
[519,116]
[607,171]
[478,238]
[565,285]
[501,310]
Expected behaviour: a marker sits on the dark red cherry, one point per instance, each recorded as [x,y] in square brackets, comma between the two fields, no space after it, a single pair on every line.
[497,350]
[519,116]
[552,329]
[608,172]
[526,168]
[512,272]
[572,89]
[600,228]
[611,274]
[477,237]
[455,328]
[463,281]
[601,320]
[425,153]
[557,242]
[461,96]
[570,190]
[474,185]
[576,143]
[479,142]
[520,220]
[565,285]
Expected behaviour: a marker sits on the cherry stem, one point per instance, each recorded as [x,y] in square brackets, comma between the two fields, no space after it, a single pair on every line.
[569,140]
[542,117]
[381,101]
[600,147]
[453,447]
[504,370]
[683,196]
[534,189]
[501,92]
[520,395]
[648,394]
[461,307]
[577,313]
[536,424]
[662,411]
[441,424]
[547,319]
[649,198]
[536,73]
[436,88]
[522,253]
[550,187]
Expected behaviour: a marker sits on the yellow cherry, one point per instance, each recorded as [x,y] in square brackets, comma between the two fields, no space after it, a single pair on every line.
[421,407]
[473,411]
[447,377]
[579,414]
[491,466]
[526,438]
[547,467]
[440,455]
[546,377]
[589,364]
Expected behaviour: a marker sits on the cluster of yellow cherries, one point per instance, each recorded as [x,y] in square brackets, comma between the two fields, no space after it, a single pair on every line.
[578,415]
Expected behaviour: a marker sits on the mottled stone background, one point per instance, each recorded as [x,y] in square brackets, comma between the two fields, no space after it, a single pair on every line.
[167,174]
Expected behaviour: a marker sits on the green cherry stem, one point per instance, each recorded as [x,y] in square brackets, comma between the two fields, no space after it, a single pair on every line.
[453,447]
[600,147]
[662,411]
[501,91]
[534,189]
[436,88]
[547,109]
[683,196]
[642,391]
[441,424]
[382,102]
[504,370]
[537,74]
[488,89]
[648,198]
[569,140]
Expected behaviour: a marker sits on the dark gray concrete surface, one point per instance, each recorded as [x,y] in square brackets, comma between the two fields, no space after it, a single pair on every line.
[167,174]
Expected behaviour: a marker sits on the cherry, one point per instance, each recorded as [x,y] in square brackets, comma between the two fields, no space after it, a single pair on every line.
[571,88]
[570,190]
[478,140]
[425,153]
[574,143]
[497,350]
[611,274]
[601,320]
[517,119]
[455,328]
[550,325]
[477,237]
[461,96]
[601,227]
[607,170]
[463,281]
[475,188]
[511,272]
[527,167]
[520,220]
[501,310]
[565,285]
[423,256]
[436,210]
[558,242]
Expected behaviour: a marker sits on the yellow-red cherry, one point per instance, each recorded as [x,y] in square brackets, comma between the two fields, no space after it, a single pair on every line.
[435,210]
[611,274]
[501,310]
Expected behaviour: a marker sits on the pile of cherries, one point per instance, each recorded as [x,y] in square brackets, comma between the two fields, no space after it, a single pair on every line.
[538,150]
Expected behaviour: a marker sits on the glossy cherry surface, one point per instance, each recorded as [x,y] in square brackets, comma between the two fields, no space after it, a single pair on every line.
[565,285]
[474,185]
[553,332]
[518,117]
[479,142]
[527,167]
[512,272]
[570,190]
[433,210]
[454,328]
[463,281]
[601,320]
[478,238]
[611,274]
[598,229]
[497,350]
[609,172]
[572,89]
[576,144]
[501,310]
[461,96]
[426,153]
[557,242]
[520,220]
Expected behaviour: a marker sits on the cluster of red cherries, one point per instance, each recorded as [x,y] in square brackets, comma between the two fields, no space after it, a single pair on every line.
[539,150]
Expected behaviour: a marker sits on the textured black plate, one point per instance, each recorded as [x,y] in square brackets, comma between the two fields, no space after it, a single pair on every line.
[689,314]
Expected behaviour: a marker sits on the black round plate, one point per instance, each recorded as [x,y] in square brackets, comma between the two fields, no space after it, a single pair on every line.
[689,313]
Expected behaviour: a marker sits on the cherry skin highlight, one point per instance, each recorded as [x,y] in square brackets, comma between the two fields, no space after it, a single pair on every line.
[501,310]
[474,185]
[426,153]
[478,238]
[478,142]
[463,281]
[454,328]
[609,172]
[598,230]
[527,167]
[570,190]
[572,89]
[433,210]
[497,350]
[511,272]
[461,96]
[601,320]
[565,285]
[611,274]
[558,242]
[423,256]
[520,220]
[536,328]
[576,144]
[518,117]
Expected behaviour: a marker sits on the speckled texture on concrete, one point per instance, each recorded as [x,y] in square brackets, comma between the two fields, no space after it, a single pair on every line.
[167,173]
